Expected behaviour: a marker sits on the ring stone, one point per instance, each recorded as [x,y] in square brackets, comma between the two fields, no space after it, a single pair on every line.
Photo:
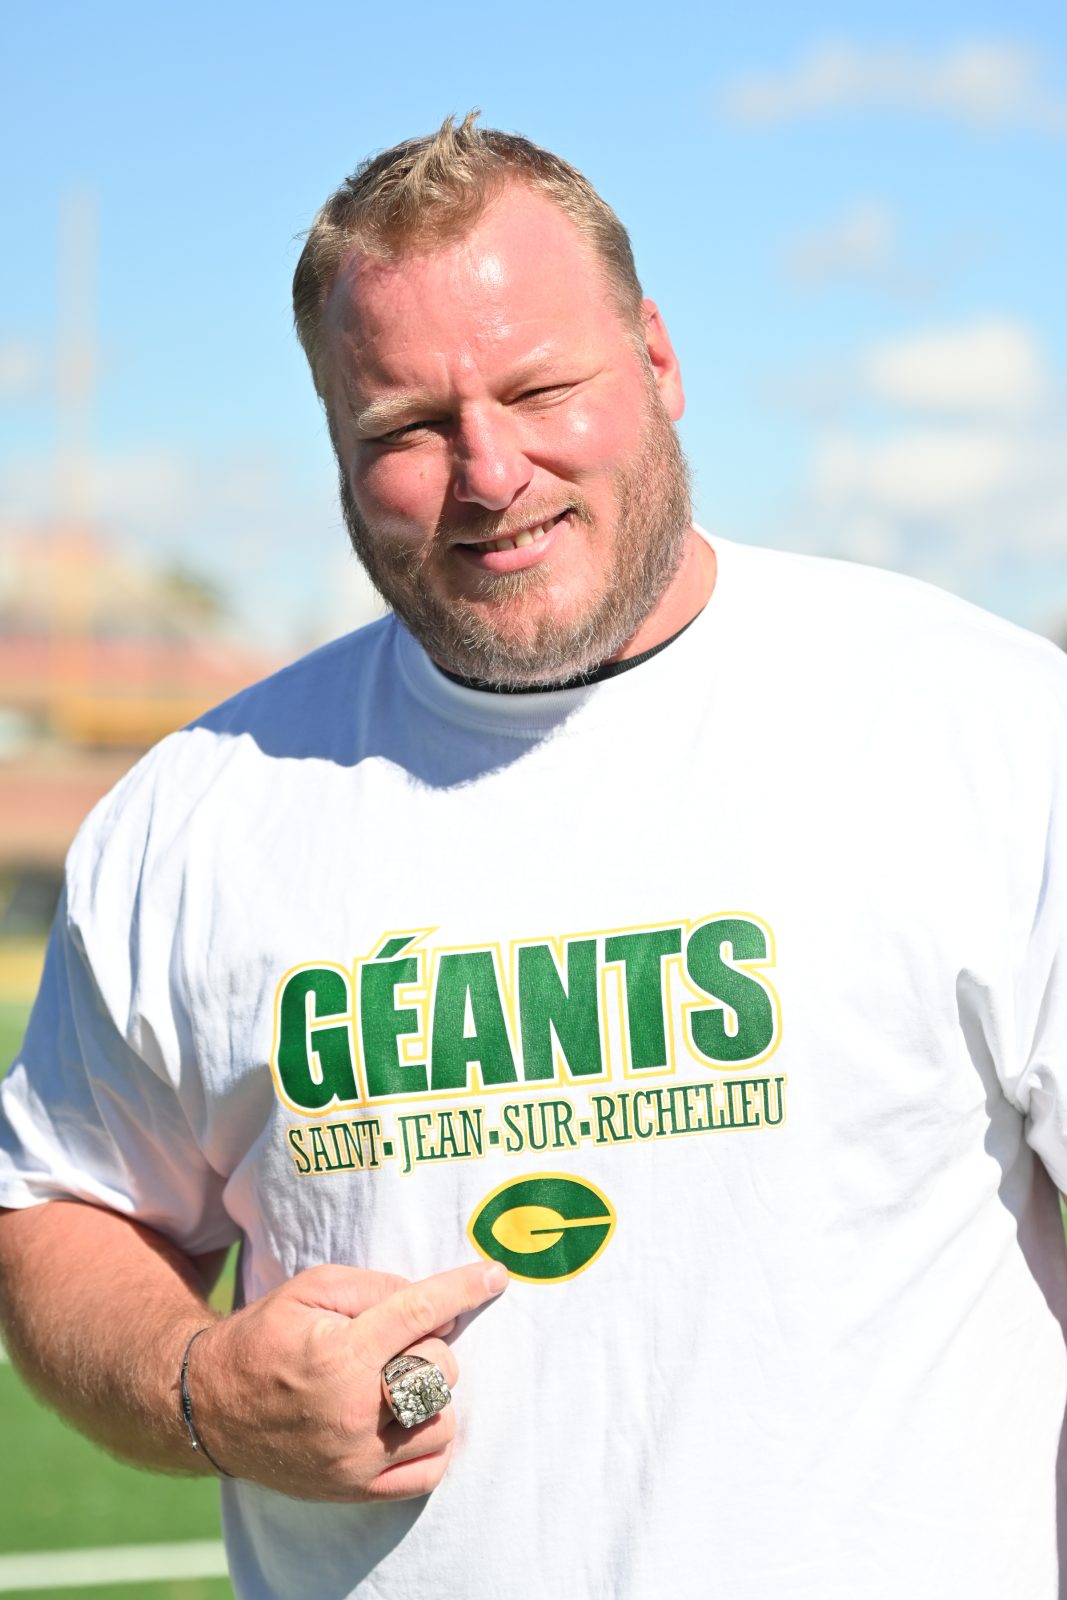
[415,1389]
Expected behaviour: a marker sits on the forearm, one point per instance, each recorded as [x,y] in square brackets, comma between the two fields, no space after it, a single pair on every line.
[96,1312]
[287,1392]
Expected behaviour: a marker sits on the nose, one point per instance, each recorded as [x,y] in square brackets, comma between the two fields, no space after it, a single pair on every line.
[490,467]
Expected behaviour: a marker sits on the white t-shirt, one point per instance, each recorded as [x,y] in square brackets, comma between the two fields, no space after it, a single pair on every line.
[742,967]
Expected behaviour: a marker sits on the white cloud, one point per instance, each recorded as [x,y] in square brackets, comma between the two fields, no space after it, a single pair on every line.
[930,473]
[862,243]
[988,367]
[981,511]
[993,369]
[983,83]
[944,454]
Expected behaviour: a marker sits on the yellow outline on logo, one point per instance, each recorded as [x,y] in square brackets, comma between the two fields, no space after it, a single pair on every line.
[610,1219]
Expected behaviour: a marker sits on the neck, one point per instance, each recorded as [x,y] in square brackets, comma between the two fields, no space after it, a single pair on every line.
[583,680]
[684,598]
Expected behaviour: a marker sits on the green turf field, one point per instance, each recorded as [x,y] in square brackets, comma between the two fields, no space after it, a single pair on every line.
[60,1493]
[12,1024]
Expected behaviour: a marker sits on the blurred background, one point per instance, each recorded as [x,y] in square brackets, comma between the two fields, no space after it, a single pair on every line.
[855,228]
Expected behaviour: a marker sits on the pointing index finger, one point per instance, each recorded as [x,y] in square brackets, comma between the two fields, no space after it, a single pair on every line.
[418,1309]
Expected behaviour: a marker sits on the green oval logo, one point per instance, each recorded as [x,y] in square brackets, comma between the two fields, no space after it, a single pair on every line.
[543,1228]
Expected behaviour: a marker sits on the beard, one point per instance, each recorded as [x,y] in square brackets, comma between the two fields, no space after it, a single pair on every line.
[496,637]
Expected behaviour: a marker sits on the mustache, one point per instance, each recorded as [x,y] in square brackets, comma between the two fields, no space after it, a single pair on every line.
[483,527]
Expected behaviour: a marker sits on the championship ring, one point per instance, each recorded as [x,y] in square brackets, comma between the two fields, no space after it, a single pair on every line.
[415,1389]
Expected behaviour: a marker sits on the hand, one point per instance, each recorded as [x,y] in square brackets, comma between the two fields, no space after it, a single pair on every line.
[288,1391]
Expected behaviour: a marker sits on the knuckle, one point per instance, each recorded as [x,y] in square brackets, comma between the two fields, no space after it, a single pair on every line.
[407,1480]
[426,1472]
[385,1488]
[392,1281]
[382,1284]
[431,1473]
[418,1310]
[363,1354]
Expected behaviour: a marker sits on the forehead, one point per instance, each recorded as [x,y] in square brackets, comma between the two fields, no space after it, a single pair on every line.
[521,279]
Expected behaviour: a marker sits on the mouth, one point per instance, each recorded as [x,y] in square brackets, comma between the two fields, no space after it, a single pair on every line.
[512,552]
[518,540]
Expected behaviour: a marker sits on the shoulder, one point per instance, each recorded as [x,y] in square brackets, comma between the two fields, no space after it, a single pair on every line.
[299,704]
[315,708]
[854,658]
[845,615]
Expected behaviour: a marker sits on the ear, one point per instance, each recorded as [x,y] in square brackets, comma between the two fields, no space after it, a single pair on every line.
[665,368]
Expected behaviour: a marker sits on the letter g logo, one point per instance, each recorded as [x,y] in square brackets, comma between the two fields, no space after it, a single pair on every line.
[543,1228]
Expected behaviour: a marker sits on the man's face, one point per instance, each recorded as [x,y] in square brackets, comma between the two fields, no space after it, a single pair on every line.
[509,469]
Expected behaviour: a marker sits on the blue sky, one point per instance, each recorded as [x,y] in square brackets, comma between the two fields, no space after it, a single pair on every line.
[855,227]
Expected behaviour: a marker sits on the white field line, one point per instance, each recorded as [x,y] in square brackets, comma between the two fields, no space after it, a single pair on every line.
[131,1563]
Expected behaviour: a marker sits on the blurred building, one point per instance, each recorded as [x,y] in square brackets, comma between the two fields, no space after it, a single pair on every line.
[100,657]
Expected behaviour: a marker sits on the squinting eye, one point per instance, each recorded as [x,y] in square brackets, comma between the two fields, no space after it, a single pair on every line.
[398,435]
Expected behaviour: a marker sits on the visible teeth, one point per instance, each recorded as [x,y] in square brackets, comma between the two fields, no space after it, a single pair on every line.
[521,540]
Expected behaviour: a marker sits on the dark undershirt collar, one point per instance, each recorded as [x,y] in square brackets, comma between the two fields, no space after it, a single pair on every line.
[609,669]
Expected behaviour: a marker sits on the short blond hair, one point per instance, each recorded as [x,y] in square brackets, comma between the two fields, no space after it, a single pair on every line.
[431,191]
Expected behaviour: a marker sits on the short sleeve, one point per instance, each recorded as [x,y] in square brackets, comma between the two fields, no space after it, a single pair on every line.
[84,1115]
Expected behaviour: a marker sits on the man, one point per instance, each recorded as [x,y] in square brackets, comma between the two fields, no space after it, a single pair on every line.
[675,925]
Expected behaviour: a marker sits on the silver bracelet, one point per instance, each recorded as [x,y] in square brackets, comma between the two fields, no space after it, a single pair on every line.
[187,1409]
